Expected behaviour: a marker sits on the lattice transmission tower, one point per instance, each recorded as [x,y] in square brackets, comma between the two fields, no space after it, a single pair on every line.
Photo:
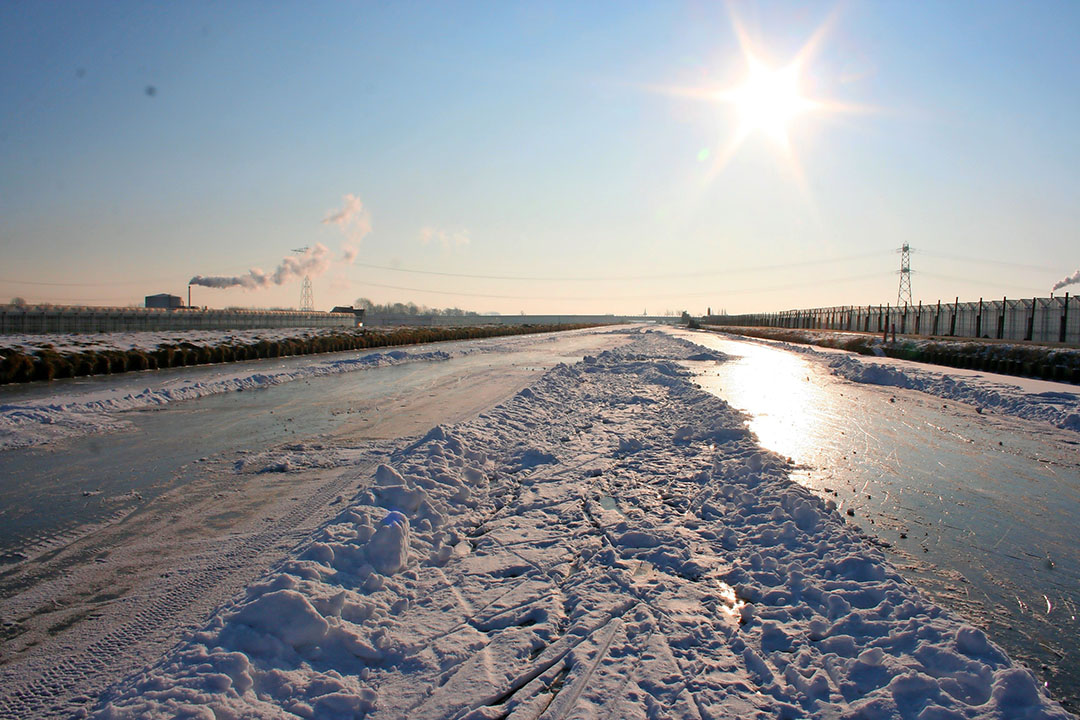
[307,300]
[903,295]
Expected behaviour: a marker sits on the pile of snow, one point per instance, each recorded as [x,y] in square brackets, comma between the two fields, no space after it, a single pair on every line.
[69,413]
[148,341]
[1059,408]
[998,393]
[611,543]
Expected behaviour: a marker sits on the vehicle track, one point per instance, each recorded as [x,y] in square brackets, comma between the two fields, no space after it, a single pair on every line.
[64,684]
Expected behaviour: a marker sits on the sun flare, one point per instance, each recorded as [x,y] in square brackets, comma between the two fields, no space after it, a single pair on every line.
[768,101]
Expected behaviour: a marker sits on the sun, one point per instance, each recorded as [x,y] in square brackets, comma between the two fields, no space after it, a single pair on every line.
[768,101]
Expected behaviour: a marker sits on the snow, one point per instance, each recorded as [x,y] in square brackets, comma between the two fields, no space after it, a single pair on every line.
[147,341]
[611,542]
[1059,406]
[73,413]
[68,411]
[1051,402]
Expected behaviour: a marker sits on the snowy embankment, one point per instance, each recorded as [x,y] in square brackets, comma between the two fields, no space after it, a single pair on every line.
[149,341]
[611,542]
[987,392]
[1059,408]
[28,358]
[1010,358]
[72,413]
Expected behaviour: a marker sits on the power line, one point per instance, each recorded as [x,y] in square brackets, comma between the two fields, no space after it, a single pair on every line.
[651,276]
[970,281]
[983,261]
[519,278]
[710,293]
[97,284]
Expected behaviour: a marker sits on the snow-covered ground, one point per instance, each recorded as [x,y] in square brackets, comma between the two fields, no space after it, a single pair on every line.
[611,542]
[1028,398]
[68,414]
[151,340]
[34,415]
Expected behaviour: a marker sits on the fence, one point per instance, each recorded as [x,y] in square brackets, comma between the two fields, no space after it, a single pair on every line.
[1054,319]
[64,319]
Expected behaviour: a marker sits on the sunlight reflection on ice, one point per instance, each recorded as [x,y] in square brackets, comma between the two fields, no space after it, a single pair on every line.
[775,390]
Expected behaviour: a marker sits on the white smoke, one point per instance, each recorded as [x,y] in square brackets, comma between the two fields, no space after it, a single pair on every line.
[313,261]
[1073,279]
[354,222]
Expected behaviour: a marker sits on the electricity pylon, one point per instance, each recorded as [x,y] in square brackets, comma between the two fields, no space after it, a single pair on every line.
[307,300]
[903,295]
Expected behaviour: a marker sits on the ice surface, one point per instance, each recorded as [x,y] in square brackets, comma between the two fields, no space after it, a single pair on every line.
[483,573]
[69,410]
[1052,402]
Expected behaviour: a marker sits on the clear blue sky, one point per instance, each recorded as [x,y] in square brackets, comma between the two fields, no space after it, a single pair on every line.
[144,143]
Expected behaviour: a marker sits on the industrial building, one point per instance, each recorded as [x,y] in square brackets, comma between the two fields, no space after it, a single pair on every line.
[358,313]
[164,301]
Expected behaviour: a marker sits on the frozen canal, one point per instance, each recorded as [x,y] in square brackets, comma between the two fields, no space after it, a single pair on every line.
[981,511]
[116,544]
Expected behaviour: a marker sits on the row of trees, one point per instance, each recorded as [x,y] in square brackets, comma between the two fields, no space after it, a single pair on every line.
[410,308]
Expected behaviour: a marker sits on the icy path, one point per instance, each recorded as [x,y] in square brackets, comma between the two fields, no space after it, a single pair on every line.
[609,543]
[978,509]
[44,413]
[200,498]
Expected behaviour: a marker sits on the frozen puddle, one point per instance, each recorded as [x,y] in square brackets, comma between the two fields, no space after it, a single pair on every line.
[481,573]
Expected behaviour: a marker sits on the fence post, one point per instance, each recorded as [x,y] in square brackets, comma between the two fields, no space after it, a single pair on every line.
[978,321]
[1001,319]
[952,321]
[1031,322]
[1064,319]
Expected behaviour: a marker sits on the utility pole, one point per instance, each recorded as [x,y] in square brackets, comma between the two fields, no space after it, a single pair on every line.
[903,294]
[307,301]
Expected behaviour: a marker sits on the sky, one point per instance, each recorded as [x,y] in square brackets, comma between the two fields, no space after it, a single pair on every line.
[578,157]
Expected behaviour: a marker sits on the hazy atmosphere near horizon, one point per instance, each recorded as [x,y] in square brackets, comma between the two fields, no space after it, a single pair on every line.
[538,157]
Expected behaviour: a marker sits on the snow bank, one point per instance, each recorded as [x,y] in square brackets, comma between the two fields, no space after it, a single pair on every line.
[72,413]
[611,543]
[69,413]
[1061,409]
[147,341]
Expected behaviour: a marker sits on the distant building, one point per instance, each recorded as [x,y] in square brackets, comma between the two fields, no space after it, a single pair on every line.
[358,313]
[164,300]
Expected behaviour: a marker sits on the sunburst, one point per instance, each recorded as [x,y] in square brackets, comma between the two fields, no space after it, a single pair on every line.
[769,100]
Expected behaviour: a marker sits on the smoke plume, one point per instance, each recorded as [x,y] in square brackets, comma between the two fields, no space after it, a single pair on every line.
[313,261]
[1073,279]
[354,222]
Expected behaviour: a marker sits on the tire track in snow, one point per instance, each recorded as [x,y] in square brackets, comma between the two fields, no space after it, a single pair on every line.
[76,679]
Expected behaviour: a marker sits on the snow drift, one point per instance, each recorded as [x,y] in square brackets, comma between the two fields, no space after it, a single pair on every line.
[610,543]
